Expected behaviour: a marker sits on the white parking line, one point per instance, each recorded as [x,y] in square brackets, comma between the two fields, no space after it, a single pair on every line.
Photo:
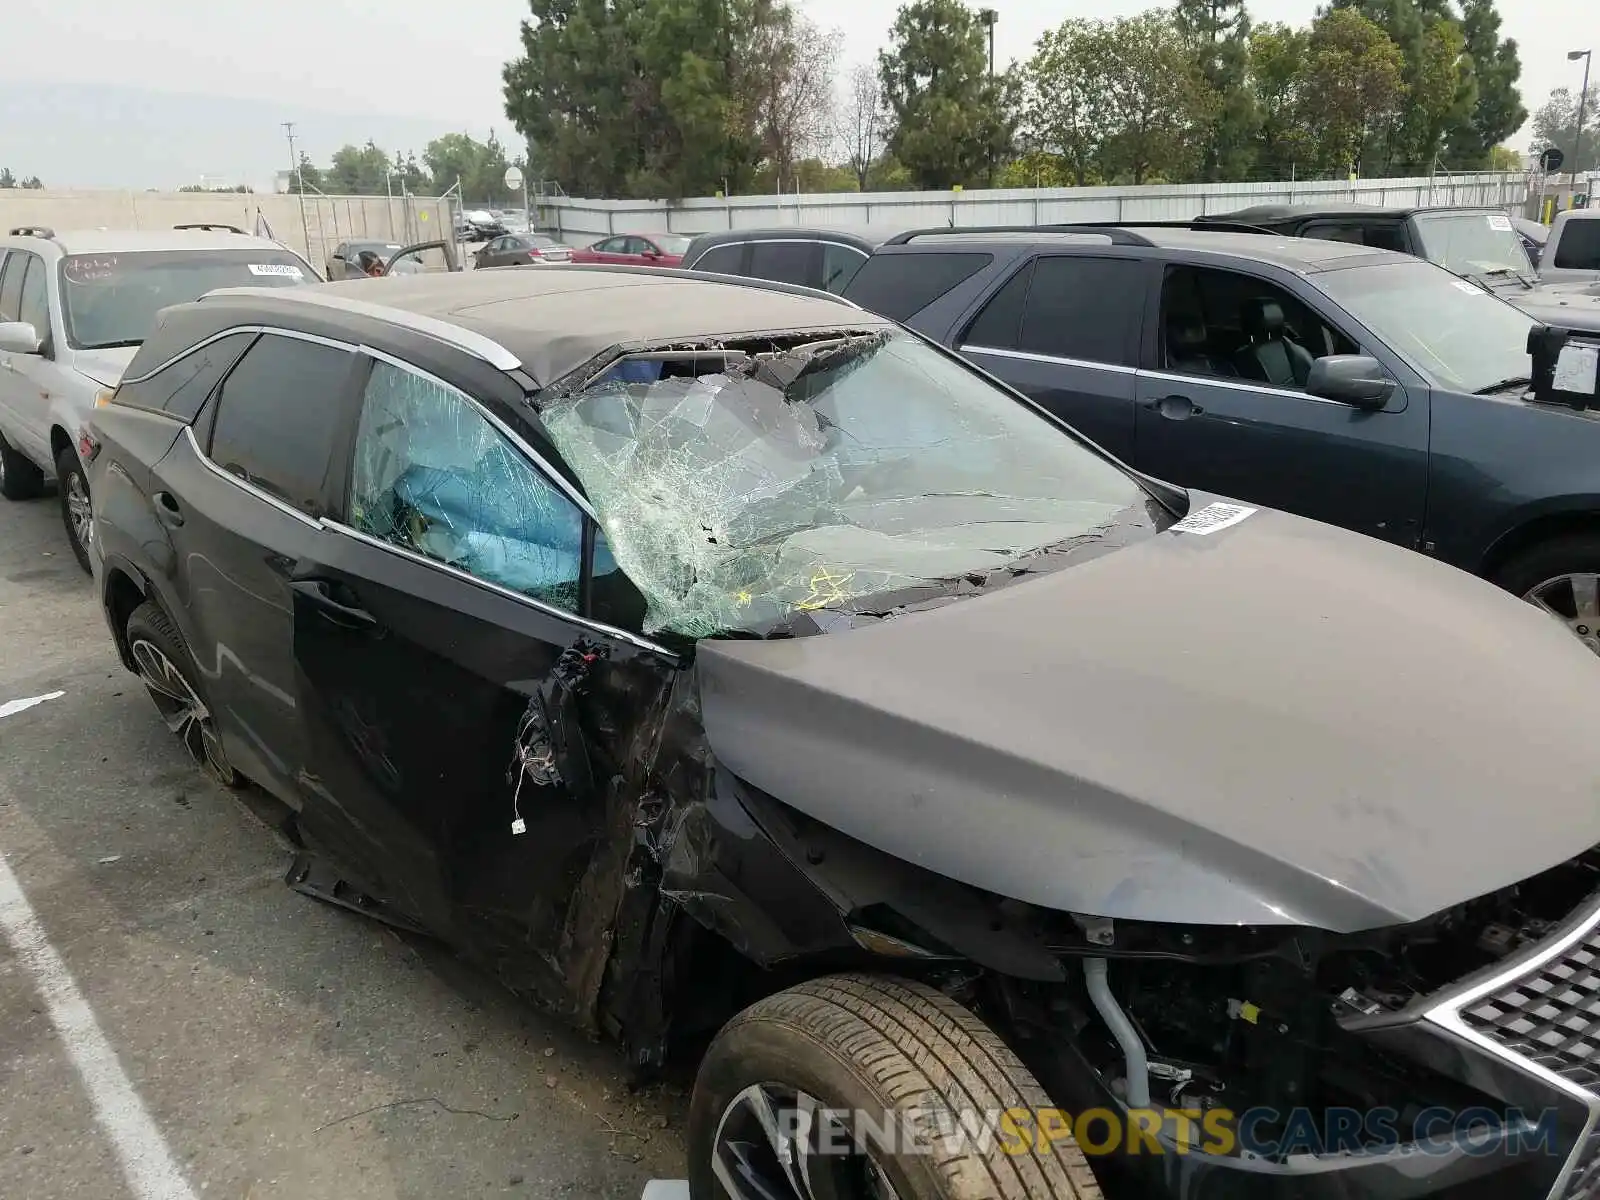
[16,706]
[147,1163]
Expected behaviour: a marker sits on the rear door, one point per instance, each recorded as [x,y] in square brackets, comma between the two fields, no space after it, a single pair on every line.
[1205,419]
[1064,330]
[424,620]
[240,495]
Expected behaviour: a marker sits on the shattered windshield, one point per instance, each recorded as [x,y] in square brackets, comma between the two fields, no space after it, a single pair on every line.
[740,487]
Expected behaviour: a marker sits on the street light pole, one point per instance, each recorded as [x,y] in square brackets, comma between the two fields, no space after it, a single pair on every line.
[987,18]
[300,177]
[1583,104]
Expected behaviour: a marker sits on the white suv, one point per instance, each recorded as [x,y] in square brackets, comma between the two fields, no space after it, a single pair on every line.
[73,309]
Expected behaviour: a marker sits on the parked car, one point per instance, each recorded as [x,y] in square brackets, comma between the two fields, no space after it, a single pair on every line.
[1572,253]
[345,261]
[1353,385]
[928,763]
[74,307]
[825,259]
[637,249]
[1479,244]
[519,249]
[482,225]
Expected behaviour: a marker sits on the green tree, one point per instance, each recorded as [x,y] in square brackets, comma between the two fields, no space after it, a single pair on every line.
[1279,58]
[1556,124]
[1352,86]
[33,183]
[1496,67]
[7,179]
[308,172]
[1066,105]
[1219,32]
[952,124]
[1160,108]
[358,171]
[1503,158]
[480,167]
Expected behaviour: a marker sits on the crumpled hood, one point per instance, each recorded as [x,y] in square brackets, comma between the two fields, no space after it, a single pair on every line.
[105,367]
[1567,305]
[1274,723]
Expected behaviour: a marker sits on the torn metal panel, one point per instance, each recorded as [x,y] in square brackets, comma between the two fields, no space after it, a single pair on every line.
[812,476]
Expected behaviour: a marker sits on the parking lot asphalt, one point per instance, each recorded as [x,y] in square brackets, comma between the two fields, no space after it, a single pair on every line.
[274,1046]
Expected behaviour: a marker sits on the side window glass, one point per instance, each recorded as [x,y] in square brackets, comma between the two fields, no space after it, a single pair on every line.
[183,388]
[1000,320]
[724,260]
[34,304]
[610,246]
[433,476]
[613,598]
[1084,308]
[1238,327]
[839,266]
[1579,247]
[278,416]
[11,273]
[784,262]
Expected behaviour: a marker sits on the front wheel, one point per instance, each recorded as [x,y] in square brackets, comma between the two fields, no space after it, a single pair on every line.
[867,1088]
[168,672]
[20,479]
[77,514]
[1561,577]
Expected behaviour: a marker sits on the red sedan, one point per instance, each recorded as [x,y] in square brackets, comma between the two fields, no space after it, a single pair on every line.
[638,249]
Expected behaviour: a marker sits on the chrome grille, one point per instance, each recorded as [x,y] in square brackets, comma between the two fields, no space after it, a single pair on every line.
[1584,1182]
[1551,1016]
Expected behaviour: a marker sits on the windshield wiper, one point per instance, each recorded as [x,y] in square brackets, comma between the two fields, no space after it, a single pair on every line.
[1517,381]
[1503,272]
[114,345]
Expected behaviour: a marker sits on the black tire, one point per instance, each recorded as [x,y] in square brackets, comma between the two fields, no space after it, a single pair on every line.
[887,1046]
[73,487]
[150,628]
[20,479]
[1569,554]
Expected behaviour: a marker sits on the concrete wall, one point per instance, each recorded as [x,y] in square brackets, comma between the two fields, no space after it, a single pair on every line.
[327,221]
[581,221]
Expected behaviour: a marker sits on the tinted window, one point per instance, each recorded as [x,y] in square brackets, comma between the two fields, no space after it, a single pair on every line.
[1579,247]
[785,262]
[278,416]
[34,305]
[1086,308]
[182,388]
[1001,319]
[434,476]
[11,284]
[839,265]
[724,260]
[901,285]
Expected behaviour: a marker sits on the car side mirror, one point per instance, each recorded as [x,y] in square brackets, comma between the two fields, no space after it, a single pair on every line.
[1354,379]
[19,337]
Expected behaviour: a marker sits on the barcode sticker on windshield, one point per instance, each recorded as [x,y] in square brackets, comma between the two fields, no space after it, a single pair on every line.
[1212,518]
[1500,221]
[1470,289]
[285,269]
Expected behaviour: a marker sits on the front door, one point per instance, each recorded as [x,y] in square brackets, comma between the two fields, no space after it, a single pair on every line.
[26,380]
[424,623]
[1223,407]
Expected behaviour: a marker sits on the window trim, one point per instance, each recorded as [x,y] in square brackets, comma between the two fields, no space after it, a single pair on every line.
[174,361]
[38,265]
[1150,273]
[240,482]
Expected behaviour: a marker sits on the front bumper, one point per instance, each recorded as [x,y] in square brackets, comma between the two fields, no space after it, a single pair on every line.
[1525,1035]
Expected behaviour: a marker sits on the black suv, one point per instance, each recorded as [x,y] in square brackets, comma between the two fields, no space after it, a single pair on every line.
[825,259]
[1480,244]
[1358,386]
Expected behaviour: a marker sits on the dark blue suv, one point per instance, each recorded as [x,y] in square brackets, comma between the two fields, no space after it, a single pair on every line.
[1358,386]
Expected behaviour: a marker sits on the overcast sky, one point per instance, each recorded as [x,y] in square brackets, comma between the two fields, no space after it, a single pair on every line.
[85,86]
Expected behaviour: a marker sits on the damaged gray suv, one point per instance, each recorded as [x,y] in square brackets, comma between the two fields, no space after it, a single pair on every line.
[762,685]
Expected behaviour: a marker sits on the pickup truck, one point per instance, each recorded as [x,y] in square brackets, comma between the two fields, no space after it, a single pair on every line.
[1479,244]
[1572,251]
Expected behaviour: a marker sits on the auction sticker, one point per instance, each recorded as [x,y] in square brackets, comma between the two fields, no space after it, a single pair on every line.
[1212,518]
[285,269]
[1500,221]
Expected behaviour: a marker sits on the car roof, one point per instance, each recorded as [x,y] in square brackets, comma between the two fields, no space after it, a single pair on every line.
[1262,213]
[127,241]
[559,317]
[1295,254]
[865,237]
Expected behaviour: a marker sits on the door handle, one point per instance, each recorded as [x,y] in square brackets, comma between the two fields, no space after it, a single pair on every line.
[167,510]
[1175,408]
[319,595]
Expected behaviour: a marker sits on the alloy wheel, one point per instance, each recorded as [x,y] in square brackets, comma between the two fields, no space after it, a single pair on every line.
[1574,600]
[181,708]
[779,1143]
[79,511]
